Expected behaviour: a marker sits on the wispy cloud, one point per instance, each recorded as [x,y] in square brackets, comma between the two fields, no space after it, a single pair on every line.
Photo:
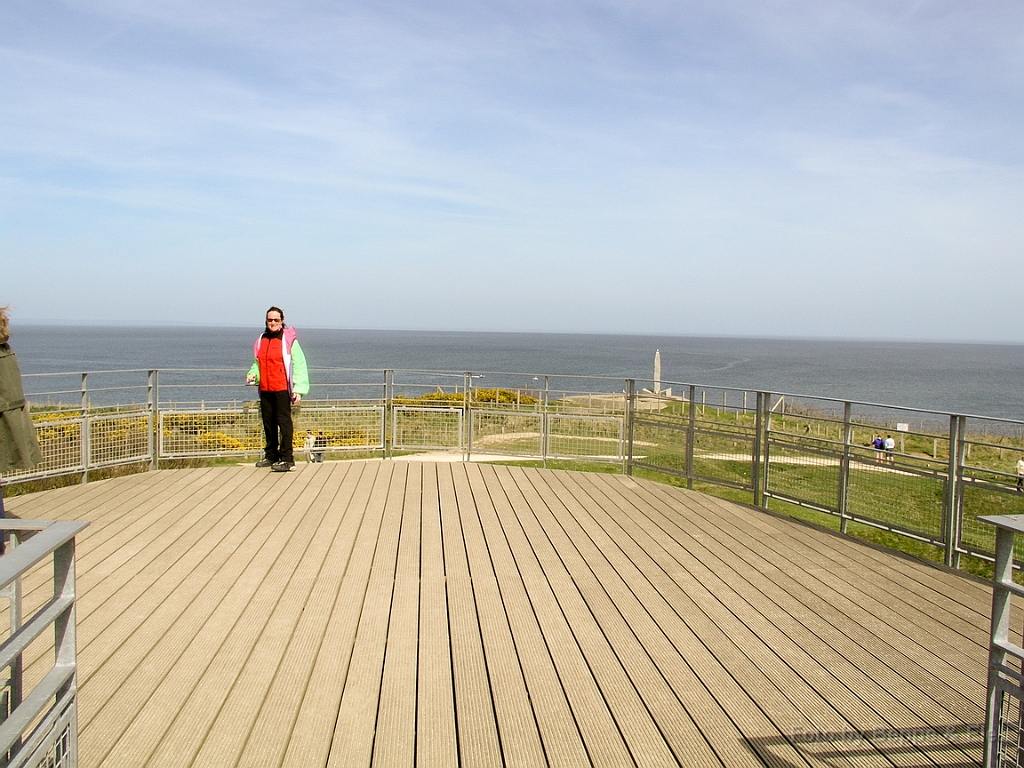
[572,138]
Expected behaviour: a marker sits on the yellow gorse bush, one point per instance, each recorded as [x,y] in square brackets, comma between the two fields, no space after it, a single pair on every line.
[503,396]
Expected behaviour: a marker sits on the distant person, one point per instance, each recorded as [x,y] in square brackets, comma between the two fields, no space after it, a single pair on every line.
[279,370]
[1020,474]
[879,445]
[890,449]
[19,447]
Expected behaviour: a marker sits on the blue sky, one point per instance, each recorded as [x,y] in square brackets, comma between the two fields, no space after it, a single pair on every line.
[838,169]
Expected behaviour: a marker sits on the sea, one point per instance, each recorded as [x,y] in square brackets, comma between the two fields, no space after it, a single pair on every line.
[972,379]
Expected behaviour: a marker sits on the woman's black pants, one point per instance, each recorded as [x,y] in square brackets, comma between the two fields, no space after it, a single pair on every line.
[276,409]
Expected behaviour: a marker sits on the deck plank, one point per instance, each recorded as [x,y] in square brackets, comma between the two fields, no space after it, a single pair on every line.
[356,728]
[850,619]
[646,741]
[725,640]
[276,721]
[855,626]
[644,612]
[261,636]
[592,576]
[436,740]
[517,726]
[317,716]
[274,674]
[478,740]
[602,738]
[268,620]
[556,723]
[395,742]
[152,711]
[421,615]
[863,588]
[863,693]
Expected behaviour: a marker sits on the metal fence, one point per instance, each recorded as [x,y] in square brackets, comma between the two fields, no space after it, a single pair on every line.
[39,727]
[1004,708]
[773,450]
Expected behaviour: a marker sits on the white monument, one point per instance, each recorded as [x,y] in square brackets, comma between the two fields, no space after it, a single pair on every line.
[657,379]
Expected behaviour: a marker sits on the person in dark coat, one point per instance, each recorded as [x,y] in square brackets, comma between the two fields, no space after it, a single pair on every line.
[19,448]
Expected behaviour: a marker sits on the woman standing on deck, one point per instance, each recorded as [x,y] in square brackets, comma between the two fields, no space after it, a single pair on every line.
[19,448]
[279,369]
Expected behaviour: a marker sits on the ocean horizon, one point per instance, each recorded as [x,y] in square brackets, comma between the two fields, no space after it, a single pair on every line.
[954,377]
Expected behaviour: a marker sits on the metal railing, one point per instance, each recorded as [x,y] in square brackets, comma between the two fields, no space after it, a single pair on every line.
[773,450]
[1004,709]
[39,728]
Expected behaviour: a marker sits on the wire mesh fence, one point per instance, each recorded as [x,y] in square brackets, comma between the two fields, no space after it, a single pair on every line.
[725,441]
[509,432]
[661,444]
[425,428]
[898,499]
[582,436]
[119,438]
[931,477]
[60,443]
[218,432]
[897,493]
[704,434]
[990,481]
[1008,739]
[876,465]
[340,427]
[803,470]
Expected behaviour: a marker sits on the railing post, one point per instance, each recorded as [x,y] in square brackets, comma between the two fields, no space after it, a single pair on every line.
[153,385]
[65,637]
[64,646]
[467,406]
[49,710]
[545,426]
[690,438]
[952,502]
[844,467]
[755,465]
[15,689]
[388,416]
[766,465]
[630,409]
[999,631]
[85,427]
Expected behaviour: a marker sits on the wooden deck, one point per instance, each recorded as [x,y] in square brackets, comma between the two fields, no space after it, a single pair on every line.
[422,614]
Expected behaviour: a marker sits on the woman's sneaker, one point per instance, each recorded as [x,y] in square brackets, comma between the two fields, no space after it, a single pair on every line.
[282,466]
[263,463]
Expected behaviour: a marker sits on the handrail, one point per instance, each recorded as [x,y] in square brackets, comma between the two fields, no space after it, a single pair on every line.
[42,726]
[1003,681]
[49,537]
